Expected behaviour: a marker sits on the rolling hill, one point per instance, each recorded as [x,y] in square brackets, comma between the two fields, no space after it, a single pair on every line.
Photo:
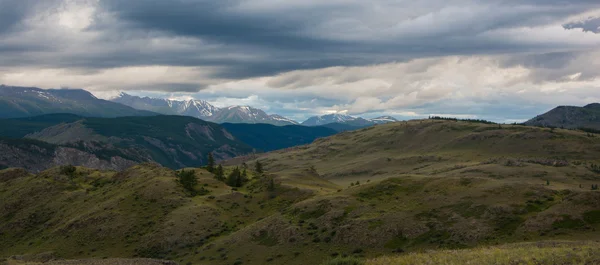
[570,117]
[16,102]
[404,187]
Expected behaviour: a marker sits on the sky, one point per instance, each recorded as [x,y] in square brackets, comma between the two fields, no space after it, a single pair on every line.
[501,60]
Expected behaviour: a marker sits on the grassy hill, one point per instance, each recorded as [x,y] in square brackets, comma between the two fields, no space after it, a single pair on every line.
[400,188]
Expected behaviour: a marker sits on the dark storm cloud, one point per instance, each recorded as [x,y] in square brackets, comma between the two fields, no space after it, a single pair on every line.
[285,39]
[214,20]
[589,25]
[242,39]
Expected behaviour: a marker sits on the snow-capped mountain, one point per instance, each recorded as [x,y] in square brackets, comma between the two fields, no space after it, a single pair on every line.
[327,119]
[346,119]
[203,110]
[247,114]
[194,108]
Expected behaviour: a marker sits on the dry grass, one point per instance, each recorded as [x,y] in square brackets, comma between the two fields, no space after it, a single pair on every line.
[424,185]
[562,253]
[93,262]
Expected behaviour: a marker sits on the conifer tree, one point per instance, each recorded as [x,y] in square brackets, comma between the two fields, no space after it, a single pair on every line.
[219,175]
[234,178]
[210,165]
[258,167]
[188,180]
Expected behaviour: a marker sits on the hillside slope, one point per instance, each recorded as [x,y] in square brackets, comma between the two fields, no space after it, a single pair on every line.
[172,141]
[530,253]
[402,187]
[16,102]
[570,117]
[37,156]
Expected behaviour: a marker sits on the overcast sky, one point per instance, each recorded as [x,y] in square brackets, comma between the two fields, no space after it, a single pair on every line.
[503,60]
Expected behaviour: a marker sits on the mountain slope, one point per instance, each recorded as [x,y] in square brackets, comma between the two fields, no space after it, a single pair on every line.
[569,117]
[195,108]
[37,156]
[246,114]
[266,137]
[18,102]
[172,141]
[19,127]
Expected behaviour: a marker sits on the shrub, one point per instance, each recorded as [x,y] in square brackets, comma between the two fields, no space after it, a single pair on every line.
[68,170]
[236,178]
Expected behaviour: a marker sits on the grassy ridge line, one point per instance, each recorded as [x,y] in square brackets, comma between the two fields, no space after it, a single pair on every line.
[525,253]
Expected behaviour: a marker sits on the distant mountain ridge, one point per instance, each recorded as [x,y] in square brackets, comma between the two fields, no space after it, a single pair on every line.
[172,141]
[346,120]
[195,108]
[247,114]
[16,102]
[203,110]
[570,117]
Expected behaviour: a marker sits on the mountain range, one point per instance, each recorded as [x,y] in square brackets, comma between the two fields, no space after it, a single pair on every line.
[571,117]
[239,114]
[202,110]
[18,102]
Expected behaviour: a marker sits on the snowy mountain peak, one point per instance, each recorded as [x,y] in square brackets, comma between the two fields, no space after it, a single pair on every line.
[346,119]
[203,110]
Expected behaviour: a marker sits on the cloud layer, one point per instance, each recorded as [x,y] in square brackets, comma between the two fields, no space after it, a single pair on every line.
[498,59]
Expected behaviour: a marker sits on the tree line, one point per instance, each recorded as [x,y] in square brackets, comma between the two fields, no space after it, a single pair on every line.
[457,119]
